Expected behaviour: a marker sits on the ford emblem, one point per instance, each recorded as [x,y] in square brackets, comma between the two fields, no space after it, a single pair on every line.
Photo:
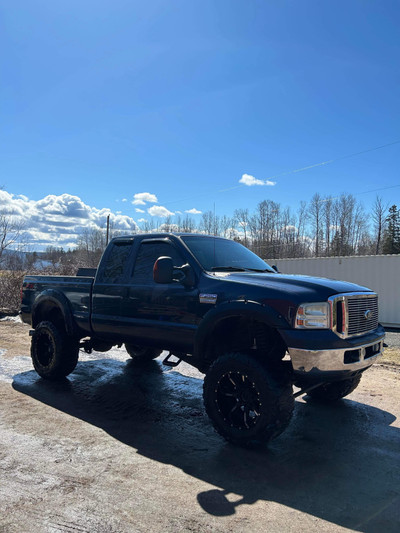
[367,314]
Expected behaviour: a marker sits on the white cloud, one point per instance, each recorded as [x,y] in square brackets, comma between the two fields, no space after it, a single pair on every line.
[139,210]
[249,180]
[193,211]
[142,197]
[58,220]
[159,211]
[124,200]
[142,220]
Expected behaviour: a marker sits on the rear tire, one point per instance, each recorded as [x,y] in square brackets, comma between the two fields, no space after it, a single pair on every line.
[54,353]
[141,354]
[246,404]
[332,392]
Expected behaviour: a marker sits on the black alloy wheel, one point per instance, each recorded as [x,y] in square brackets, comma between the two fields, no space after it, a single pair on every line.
[54,353]
[238,400]
[247,403]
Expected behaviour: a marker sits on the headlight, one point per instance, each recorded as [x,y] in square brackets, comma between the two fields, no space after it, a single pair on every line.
[313,316]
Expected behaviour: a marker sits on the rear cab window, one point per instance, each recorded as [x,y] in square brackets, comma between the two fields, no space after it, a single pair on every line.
[116,264]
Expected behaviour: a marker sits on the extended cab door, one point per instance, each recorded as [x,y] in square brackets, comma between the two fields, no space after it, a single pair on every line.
[110,287]
[163,315]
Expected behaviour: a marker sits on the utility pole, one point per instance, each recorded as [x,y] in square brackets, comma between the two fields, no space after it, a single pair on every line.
[108,229]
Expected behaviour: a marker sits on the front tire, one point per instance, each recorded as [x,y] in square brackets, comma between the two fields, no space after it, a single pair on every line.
[246,404]
[332,392]
[141,354]
[54,353]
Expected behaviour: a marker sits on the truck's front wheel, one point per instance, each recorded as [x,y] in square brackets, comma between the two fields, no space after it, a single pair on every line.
[331,392]
[54,353]
[246,404]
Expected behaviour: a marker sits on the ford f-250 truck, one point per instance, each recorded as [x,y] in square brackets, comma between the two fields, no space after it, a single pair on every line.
[216,305]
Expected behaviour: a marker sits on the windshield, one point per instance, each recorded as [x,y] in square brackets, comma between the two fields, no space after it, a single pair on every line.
[216,254]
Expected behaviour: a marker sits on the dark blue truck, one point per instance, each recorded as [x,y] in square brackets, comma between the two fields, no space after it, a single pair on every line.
[214,304]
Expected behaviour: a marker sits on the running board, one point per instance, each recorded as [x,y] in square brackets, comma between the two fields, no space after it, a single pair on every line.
[167,361]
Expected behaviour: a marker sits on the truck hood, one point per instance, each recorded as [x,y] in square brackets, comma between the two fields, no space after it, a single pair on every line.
[298,287]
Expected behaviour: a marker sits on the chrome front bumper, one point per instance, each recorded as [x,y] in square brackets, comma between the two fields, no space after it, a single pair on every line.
[339,360]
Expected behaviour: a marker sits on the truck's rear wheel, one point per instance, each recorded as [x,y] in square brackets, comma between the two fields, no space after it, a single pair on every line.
[54,353]
[331,392]
[246,404]
[140,354]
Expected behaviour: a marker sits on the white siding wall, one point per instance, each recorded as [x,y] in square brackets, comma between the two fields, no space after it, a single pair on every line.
[381,273]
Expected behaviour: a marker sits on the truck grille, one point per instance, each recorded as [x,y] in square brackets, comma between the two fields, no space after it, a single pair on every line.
[354,314]
[363,314]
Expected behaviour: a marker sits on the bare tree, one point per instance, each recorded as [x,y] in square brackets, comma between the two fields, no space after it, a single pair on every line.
[225,226]
[241,218]
[91,242]
[188,225]
[302,243]
[327,216]
[207,224]
[379,215]
[316,211]
[11,230]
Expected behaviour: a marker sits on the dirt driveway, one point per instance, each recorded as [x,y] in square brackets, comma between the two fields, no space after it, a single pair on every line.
[117,449]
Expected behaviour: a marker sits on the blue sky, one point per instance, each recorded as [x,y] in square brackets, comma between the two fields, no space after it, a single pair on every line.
[105,100]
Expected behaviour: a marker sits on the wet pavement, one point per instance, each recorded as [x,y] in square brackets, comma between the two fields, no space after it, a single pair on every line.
[115,447]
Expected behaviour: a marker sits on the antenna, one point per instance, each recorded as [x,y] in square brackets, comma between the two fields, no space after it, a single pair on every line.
[214,234]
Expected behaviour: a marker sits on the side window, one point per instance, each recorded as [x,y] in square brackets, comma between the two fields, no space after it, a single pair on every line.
[116,262]
[148,254]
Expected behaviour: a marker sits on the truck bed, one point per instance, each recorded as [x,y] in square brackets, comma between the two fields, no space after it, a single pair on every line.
[77,290]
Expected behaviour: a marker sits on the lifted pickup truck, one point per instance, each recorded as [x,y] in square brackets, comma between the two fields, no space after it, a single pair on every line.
[216,305]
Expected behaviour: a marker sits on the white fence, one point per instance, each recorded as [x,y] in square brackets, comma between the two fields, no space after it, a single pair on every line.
[381,273]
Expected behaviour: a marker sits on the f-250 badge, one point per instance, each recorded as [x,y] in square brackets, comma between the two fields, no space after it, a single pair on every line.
[208,298]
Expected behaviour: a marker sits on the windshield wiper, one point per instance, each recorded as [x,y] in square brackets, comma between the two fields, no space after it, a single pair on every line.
[228,269]
[260,270]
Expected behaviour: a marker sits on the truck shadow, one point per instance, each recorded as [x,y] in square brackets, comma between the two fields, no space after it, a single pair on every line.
[337,463]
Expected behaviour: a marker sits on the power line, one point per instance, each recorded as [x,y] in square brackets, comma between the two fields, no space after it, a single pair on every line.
[333,160]
[308,167]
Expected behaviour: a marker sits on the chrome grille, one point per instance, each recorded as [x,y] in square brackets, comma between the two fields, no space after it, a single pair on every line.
[353,313]
[362,314]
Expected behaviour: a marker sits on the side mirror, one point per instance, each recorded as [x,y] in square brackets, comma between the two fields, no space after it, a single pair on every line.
[163,270]
[275,268]
[188,279]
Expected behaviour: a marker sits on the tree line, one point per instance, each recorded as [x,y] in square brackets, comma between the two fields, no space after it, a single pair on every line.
[324,226]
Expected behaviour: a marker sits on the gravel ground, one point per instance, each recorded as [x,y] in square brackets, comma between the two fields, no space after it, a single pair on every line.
[393,338]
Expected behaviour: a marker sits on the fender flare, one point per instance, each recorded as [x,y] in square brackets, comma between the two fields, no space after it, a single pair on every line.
[59,300]
[239,308]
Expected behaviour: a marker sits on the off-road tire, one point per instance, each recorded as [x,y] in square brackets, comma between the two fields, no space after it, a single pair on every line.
[332,392]
[141,354]
[54,353]
[246,404]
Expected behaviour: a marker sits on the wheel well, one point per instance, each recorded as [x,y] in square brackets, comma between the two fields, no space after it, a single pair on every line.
[241,334]
[51,312]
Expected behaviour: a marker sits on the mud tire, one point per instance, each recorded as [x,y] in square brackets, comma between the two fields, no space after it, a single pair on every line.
[141,354]
[54,353]
[332,392]
[236,385]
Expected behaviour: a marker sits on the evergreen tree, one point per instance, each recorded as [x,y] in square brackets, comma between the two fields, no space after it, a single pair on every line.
[391,242]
